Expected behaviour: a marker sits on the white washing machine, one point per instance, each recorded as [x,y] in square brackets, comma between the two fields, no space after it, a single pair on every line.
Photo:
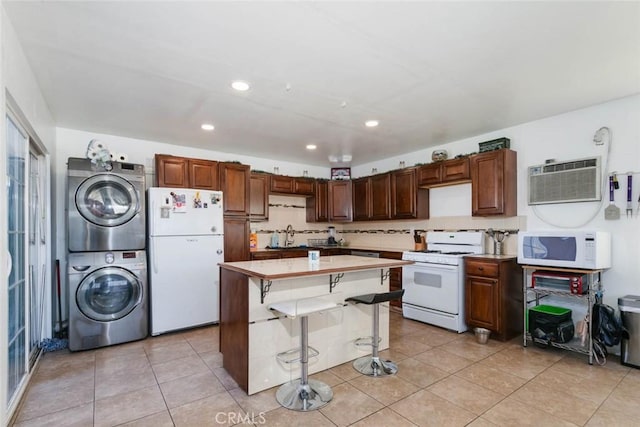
[105,206]
[107,298]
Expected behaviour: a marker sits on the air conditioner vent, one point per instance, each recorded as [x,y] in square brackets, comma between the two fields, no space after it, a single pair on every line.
[572,181]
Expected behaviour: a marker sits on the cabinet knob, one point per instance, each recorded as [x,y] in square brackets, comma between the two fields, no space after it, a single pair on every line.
[481,268]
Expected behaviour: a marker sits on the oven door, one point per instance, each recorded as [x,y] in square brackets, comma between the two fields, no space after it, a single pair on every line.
[433,286]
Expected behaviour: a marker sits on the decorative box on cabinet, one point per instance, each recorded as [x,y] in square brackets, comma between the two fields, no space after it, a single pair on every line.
[493,295]
[448,172]
[259,196]
[407,200]
[494,183]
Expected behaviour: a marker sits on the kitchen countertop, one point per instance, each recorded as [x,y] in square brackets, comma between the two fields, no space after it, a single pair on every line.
[350,248]
[271,269]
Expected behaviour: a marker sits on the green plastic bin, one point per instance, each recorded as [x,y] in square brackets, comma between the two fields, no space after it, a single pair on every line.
[559,314]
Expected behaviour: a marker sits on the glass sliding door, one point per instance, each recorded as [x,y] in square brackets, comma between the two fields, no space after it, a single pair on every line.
[16,152]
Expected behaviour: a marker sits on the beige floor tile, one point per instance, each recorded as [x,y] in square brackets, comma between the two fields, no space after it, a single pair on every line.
[399,326]
[386,390]
[219,409]
[465,394]
[577,365]
[130,406]
[170,351]
[492,378]
[122,362]
[470,349]
[346,371]
[624,399]
[213,359]
[511,412]
[392,354]
[178,368]
[160,419]
[556,402]
[62,359]
[594,390]
[605,417]
[523,362]
[349,405]
[444,360]
[256,403]
[77,416]
[283,417]
[123,382]
[227,381]
[384,417]
[130,349]
[407,345]
[164,340]
[190,388]
[433,336]
[426,409]
[327,377]
[204,340]
[481,422]
[419,373]
[70,376]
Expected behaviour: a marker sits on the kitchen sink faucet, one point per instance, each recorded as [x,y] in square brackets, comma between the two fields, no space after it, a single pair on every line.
[289,236]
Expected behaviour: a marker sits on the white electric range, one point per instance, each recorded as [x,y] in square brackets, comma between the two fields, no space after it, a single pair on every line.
[434,284]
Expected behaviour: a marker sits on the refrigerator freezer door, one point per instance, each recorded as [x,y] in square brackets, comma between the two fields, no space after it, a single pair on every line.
[182,212]
[184,281]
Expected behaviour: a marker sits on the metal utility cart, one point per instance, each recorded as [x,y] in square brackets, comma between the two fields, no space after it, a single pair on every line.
[532,295]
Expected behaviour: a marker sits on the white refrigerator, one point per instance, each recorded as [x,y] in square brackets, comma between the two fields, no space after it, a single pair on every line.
[186,232]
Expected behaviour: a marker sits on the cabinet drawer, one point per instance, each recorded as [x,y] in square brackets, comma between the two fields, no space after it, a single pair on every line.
[481,268]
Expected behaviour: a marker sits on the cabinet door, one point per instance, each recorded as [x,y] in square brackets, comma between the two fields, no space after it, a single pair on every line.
[317,206]
[380,197]
[456,170]
[259,193]
[236,239]
[361,199]
[395,284]
[171,171]
[281,184]
[203,174]
[403,194]
[235,185]
[494,183]
[303,186]
[430,174]
[340,201]
[482,302]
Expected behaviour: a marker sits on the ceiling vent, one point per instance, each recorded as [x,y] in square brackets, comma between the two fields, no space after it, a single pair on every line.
[572,181]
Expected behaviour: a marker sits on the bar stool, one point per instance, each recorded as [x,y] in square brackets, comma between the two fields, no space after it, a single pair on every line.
[304,394]
[372,365]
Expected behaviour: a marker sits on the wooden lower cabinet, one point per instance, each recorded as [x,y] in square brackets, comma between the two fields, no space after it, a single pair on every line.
[493,295]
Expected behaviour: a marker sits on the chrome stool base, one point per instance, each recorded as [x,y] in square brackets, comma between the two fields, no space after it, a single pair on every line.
[304,397]
[374,366]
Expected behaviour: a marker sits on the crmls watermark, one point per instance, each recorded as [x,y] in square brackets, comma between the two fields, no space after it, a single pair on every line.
[239,418]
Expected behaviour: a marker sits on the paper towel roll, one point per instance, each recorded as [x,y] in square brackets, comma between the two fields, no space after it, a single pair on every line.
[122,157]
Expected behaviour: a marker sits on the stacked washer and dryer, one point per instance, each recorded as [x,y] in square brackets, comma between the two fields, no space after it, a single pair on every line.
[106,264]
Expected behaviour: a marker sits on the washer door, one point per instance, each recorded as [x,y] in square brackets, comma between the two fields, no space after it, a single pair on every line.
[108,294]
[107,200]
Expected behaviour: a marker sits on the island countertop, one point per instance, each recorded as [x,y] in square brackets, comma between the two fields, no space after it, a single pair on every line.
[271,269]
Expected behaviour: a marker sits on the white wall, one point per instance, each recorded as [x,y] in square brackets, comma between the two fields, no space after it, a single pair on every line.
[563,137]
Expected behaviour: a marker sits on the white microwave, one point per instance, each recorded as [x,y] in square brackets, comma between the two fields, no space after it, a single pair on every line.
[565,248]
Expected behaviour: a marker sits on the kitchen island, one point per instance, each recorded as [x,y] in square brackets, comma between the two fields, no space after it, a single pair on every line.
[251,335]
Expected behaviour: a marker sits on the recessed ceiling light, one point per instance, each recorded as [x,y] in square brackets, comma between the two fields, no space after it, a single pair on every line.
[311,147]
[241,86]
[371,123]
[207,126]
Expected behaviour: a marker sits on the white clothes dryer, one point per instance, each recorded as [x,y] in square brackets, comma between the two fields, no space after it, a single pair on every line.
[105,206]
[108,298]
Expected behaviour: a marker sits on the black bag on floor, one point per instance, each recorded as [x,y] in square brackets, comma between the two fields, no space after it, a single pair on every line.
[607,326]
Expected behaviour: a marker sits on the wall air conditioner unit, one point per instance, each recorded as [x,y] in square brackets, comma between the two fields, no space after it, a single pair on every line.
[565,182]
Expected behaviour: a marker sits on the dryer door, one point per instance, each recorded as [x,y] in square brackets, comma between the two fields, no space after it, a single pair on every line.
[107,200]
[108,294]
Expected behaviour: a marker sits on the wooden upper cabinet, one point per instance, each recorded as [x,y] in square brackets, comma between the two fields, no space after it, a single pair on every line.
[407,200]
[259,193]
[303,186]
[372,198]
[183,172]
[317,206]
[494,183]
[203,174]
[281,184]
[172,171]
[444,173]
[340,201]
[361,199]
[235,184]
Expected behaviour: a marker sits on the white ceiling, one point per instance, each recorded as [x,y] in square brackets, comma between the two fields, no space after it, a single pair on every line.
[430,72]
